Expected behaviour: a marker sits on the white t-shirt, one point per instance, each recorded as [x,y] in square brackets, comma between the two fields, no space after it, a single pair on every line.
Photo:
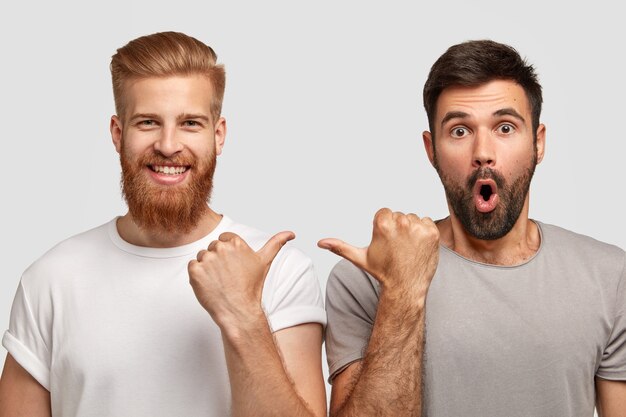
[113,329]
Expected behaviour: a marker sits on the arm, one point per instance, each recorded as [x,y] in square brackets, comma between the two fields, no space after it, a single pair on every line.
[389,378]
[403,257]
[300,348]
[228,279]
[610,398]
[263,384]
[20,393]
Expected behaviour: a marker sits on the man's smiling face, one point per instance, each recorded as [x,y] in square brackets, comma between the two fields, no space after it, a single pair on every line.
[168,146]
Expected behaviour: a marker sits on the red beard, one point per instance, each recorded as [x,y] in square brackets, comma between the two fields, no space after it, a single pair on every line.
[167,209]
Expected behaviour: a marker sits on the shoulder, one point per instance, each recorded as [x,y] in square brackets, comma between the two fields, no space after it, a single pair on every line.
[347,273]
[345,277]
[586,255]
[253,237]
[67,254]
[256,238]
[289,259]
[573,243]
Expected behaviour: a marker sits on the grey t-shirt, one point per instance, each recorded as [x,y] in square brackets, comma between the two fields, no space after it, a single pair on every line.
[525,340]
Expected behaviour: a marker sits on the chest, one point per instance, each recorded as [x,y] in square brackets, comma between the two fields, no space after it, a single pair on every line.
[512,339]
[515,320]
[127,336]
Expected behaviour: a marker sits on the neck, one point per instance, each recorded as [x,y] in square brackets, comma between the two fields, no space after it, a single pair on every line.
[514,248]
[133,234]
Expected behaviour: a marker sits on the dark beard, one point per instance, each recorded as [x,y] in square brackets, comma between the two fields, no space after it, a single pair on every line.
[498,222]
[167,209]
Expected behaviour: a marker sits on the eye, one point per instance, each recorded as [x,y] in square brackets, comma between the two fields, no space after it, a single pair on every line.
[506,128]
[146,124]
[459,132]
[192,123]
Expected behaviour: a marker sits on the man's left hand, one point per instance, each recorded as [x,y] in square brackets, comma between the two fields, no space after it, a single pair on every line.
[228,277]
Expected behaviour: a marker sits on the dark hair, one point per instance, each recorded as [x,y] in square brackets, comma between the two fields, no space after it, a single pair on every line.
[473,63]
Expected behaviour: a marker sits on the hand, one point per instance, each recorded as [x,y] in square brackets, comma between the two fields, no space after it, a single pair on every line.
[228,276]
[403,254]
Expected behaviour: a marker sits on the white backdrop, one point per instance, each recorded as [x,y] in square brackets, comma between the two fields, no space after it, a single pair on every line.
[323,103]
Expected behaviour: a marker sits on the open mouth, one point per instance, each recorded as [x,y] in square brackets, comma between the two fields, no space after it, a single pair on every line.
[169,169]
[485,195]
[486,191]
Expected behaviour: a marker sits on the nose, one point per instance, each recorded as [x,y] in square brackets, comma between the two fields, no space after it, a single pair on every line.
[168,144]
[484,151]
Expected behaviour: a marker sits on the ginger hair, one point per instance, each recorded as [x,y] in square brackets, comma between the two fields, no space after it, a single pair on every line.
[166,54]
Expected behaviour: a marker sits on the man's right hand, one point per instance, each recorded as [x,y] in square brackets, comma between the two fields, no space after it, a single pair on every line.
[402,255]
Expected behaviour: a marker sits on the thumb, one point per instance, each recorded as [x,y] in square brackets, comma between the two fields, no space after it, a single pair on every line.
[357,256]
[272,246]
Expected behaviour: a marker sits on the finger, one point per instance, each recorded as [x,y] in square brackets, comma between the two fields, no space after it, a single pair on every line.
[382,214]
[383,219]
[272,246]
[200,255]
[413,217]
[431,225]
[192,268]
[212,245]
[228,236]
[357,256]
[428,221]
[401,220]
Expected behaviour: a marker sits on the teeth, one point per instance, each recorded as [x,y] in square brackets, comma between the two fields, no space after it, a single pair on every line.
[168,170]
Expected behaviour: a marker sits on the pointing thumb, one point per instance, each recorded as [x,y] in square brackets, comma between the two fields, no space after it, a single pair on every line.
[272,246]
[357,256]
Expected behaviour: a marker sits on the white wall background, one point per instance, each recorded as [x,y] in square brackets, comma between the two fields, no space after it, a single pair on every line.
[323,102]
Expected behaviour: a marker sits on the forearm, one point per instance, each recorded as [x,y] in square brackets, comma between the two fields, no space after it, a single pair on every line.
[390,378]
[259,383]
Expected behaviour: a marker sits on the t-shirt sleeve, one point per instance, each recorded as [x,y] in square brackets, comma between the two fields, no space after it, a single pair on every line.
[351,302]
[613,363]
[292,294]
[26,337]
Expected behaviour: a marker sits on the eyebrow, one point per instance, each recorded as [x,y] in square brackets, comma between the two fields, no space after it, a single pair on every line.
[182,116]
[143,116]
[507,111]
[453,115]
[187,116]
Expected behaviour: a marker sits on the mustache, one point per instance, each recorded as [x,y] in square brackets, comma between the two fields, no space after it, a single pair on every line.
[159,159]
[485,173]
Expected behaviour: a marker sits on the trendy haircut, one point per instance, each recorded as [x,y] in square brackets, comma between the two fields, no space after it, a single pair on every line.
[474,63]
[166,54]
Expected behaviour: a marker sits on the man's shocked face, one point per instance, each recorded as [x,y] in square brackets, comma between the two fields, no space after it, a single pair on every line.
[485,153]
[168,145]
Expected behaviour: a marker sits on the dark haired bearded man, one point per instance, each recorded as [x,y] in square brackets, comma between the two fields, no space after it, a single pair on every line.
[522,318]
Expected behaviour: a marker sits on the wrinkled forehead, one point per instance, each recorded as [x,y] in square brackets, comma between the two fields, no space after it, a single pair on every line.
[483,100]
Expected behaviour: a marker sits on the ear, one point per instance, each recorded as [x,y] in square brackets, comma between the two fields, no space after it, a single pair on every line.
[220,135]
[541,142]
[429,146]
[116,132]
